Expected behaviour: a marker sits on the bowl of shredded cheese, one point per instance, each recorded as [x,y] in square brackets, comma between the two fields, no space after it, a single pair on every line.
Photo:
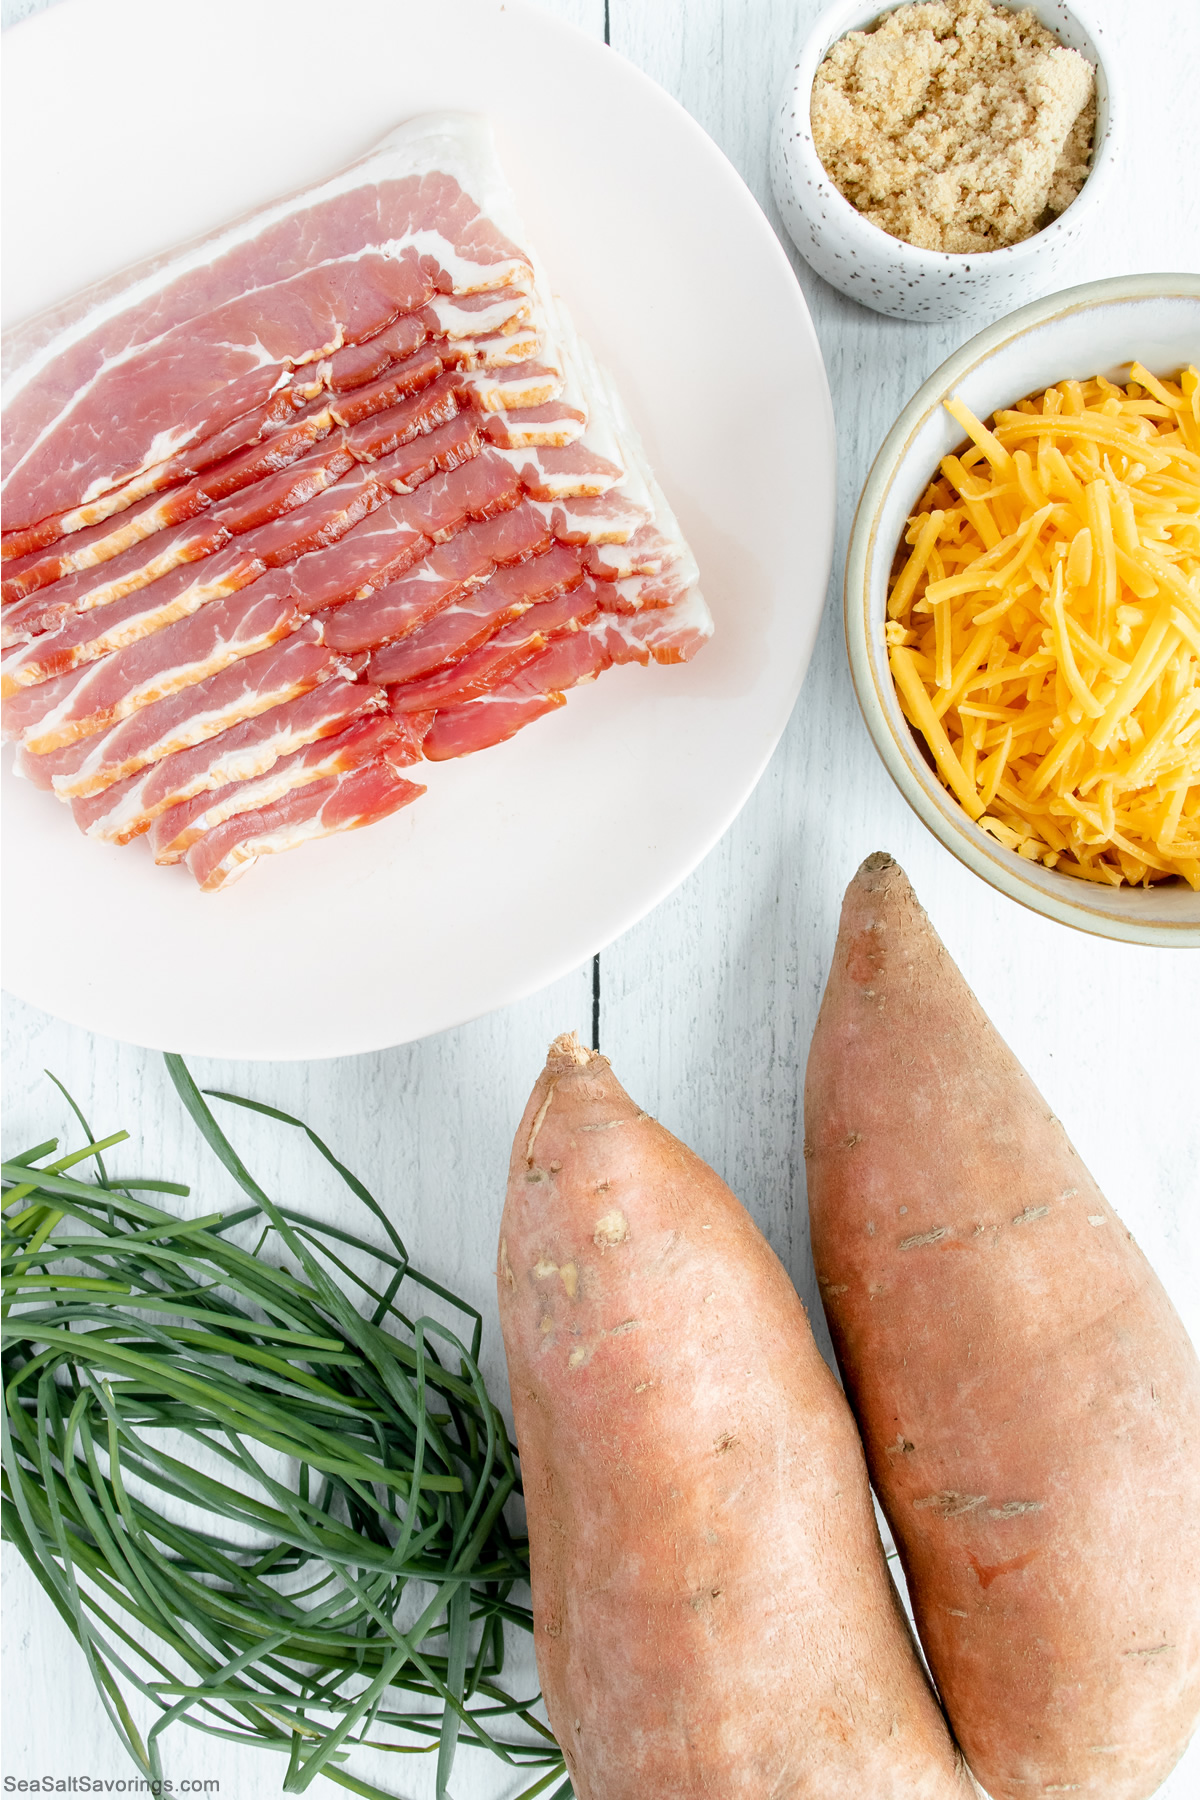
[1023,606]
[938,158]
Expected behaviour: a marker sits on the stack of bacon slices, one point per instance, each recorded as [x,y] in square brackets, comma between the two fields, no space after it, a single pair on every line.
[330,491]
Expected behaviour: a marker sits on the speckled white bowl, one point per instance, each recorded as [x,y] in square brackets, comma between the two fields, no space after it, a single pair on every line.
[883,272]
[1096,329]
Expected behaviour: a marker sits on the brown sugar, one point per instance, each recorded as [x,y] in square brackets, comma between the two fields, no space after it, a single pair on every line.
[955,125]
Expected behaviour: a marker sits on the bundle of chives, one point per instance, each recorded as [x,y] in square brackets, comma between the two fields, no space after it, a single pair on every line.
[121,1321]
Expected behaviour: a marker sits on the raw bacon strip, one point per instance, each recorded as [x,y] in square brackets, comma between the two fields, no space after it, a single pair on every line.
[481,489]
[378,434]
[248,687]
[499,659]
[518,389]
[381,546]
[539,688]
[255,505]
[277,414]
[528,383]
[145,563]
[495,349]
[91,635]
[551,420]
[88,637]
[179,656]
[126,809]
[173,834]
[574,516]
[392,611]
[645,552]
[339,803]
[229,475]
[165,355]
[358,364]
[287,407]
[45,615]
[432,502]
[479,724]
[446,448]
[367,558]
[288,410]
[404,531]
[373,438]
[350,367]
[90,545]
[610,518]
[402,379]
[477,315]
[399,535]
[94,544]
[568,662]
[556,422]
[319,581]
[260,422]
[637,593]
[470,622]
[670,635]
[552,474]
[465,561]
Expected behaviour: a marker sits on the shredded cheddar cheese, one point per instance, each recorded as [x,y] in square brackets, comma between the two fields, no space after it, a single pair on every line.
[1043,626]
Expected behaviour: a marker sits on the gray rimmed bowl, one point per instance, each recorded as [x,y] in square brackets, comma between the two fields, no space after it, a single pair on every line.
[1096,329]
[884,272]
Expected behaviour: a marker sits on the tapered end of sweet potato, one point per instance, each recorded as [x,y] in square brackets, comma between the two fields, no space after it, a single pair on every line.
[903,1053]
[885,941]
[574,1078]
[879,863]
[899,1034]
[567,1052]
[880,882]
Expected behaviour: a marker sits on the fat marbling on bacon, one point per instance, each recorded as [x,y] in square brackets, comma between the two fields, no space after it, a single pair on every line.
[325,493]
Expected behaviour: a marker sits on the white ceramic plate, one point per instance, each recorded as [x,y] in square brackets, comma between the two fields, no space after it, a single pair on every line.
[130,125]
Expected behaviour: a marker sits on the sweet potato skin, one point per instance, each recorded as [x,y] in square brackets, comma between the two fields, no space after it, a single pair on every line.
[1028,1399]
[712,1612]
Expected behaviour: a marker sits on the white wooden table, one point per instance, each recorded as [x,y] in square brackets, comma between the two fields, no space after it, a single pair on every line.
[707,1006]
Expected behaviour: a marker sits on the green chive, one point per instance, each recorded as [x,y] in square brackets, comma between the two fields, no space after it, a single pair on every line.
[248,1334]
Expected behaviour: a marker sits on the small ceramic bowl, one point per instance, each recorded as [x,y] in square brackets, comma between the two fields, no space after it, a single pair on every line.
[885,273]
[1085,331]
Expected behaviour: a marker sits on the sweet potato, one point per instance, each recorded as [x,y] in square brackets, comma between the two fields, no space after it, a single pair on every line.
[712,1612]
[1028,1399]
